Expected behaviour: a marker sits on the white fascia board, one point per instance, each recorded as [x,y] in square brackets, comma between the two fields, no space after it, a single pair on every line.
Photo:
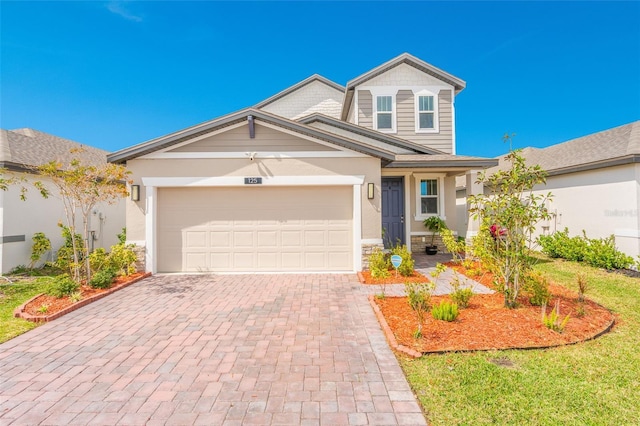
[225,181]
[259,154]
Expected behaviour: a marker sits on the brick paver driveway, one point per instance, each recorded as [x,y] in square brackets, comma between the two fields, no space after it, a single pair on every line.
[180,349]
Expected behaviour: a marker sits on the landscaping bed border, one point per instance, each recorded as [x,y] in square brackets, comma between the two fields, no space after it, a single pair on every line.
[20,311]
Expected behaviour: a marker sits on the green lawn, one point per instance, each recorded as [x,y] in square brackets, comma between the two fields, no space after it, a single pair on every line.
[591,383]
[12,296]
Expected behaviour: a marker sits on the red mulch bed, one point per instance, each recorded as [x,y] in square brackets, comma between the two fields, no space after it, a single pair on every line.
[366,278]
[56,305]
[487,325]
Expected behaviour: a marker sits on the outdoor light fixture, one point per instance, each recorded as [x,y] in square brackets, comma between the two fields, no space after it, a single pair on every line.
[135,192]
[370,191]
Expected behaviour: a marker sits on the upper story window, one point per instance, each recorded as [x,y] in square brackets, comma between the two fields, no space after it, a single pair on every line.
[384,113]
[426,118]
[426,112]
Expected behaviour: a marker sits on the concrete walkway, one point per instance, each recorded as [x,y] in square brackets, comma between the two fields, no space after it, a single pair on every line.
[214,350]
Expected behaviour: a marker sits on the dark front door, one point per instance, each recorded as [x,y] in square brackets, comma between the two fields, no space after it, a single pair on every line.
[393,211]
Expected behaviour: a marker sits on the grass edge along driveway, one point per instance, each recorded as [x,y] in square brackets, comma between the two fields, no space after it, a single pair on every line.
[596,382]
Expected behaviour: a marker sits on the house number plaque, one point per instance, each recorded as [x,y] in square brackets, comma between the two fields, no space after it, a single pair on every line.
[252,180]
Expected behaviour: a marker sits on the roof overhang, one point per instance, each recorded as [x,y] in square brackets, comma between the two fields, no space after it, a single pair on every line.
[172,139]
[389,139]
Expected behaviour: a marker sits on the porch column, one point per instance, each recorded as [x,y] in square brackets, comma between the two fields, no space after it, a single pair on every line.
[473,188]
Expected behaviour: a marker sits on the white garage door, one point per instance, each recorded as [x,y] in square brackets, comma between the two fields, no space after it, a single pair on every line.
[255,229]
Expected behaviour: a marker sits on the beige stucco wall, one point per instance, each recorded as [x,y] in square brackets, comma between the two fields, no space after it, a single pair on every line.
[38,214]
[602,202]
[367,166]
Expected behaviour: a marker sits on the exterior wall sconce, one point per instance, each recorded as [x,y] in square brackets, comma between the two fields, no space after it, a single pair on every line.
[135,192]
[370,191]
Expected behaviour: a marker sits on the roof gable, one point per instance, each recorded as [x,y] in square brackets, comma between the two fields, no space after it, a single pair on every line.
[404,59]
[240,118]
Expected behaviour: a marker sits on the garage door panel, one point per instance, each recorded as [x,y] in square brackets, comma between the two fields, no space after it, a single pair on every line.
[220,239]
[196,239]
[243,239]
[255,229]
[267,239]
[220,262]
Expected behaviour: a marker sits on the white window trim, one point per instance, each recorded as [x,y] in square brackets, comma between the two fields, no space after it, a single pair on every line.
[440,177]
[436,113]
[393,113]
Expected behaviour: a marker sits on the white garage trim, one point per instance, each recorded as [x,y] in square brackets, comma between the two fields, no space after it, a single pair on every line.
[153,183]
[266,181]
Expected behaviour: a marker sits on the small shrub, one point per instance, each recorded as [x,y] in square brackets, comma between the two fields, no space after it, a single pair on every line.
[445,311]
[98,259]
[580,311]
[419,298]
[552,321]
[461,296]
[75,297]
[379,264]
[43,309]
[41,245]
[435,274]
[103,278]
[406,268]
[602,253]
[123,259]
[454,245]
[62,286]
[536,287]
[583,286]
[122,236]
[20,270]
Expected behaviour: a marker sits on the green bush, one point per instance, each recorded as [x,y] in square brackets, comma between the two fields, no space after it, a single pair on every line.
[103,278]
[123,259]
[62,286]
[406,268]
[552,321]
[597,252]
[445,311]
[536,287]
[41,245]
[379,264]
[64,256]
[602,253]
[462,296]
[98,259]
[419,298]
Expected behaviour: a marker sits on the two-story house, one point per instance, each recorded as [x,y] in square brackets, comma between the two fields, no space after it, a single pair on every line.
[311,179]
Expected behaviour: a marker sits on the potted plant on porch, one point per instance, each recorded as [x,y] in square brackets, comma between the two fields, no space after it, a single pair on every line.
[434,224]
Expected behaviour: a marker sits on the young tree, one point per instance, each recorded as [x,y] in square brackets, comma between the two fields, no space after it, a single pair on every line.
[508,219]
[81,186]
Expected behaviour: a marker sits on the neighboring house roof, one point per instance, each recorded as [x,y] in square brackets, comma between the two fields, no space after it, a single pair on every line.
[285,92]
[22,149]
[617,146]
[612,147]
[405,58]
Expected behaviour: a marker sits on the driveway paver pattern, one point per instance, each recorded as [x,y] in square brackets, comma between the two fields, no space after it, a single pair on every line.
[211,349]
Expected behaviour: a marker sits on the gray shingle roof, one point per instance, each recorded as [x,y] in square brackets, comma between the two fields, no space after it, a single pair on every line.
[23,148]
[609,147]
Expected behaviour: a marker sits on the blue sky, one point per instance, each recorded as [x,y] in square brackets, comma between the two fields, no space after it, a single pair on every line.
[113,74]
